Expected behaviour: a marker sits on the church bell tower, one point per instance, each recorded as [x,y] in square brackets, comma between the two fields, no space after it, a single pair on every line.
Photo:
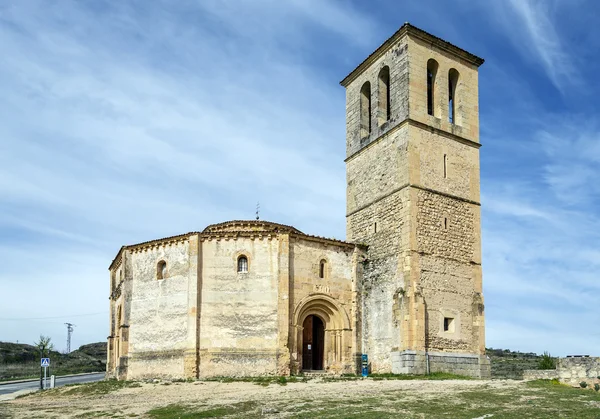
[412,144]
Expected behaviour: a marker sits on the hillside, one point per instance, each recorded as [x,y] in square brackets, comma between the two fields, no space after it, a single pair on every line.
[510,364]
[19,360]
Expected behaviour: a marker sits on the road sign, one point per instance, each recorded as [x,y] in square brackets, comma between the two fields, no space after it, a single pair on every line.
[45,362]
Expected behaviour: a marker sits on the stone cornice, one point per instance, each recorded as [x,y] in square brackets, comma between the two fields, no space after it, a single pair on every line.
[413,122]
[410,30]
[272,231]
[410,185]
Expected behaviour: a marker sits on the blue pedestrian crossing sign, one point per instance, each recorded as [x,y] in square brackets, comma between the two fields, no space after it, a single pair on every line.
[45,362]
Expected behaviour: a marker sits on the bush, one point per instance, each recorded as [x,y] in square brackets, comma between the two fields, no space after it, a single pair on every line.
[583,384]
[547,362]
[597,387]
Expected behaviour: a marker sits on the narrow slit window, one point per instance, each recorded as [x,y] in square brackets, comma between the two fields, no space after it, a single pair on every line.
[432,67]
[383,111]
[445,166]
[322,266]
[445,223]
[365,110]
[161,270]
[375,228]
[452,83]
[242,265]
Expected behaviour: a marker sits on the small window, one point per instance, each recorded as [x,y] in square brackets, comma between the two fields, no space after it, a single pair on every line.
[448,324]
[445,166]
[365,110]
[432,67]
[161,270]
[384,104]
[452,83]
[445,223]
[242,264]
[322,268]
[374,227]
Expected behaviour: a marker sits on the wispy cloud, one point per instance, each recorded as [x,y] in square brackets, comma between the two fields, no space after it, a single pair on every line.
[532,27]
[123,124]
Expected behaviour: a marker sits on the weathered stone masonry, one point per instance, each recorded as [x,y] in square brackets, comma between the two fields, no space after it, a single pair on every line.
[245,298]
[413,198]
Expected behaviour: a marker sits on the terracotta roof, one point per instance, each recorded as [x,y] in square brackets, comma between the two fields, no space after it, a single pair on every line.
[407,28]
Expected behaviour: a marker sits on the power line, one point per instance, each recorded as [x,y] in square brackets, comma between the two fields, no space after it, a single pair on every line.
[53,317]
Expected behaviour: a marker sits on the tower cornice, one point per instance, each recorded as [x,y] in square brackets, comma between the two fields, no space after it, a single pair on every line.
[410,30]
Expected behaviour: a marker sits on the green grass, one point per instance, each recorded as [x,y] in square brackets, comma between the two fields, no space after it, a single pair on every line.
[99,387]
[432,376]
[261,381]
[183,411]
[537,399]
[88,389]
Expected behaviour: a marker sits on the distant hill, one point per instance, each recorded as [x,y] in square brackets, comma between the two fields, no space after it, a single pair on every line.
[511,364]
[19,360]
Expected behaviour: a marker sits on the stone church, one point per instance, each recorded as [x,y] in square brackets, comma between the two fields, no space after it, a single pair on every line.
[249,298]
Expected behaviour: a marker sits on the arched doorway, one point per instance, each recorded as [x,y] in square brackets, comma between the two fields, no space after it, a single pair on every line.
[313,340]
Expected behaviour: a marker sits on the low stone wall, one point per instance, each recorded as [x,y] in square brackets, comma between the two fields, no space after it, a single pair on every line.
[540,374]
[415,362]
[571,370]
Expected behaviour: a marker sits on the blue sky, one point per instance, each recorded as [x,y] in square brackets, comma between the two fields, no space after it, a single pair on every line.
[126,121]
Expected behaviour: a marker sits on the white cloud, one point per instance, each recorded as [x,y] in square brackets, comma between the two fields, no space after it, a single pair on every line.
[531,26]
[123,125]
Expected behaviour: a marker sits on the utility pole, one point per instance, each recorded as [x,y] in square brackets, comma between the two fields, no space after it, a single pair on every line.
[69,331]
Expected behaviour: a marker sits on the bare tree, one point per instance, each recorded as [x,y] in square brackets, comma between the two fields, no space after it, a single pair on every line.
[45,346]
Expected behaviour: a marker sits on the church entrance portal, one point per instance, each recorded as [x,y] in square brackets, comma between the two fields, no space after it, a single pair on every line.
[313,339]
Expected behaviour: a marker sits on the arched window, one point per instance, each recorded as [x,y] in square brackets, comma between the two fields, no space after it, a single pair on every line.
[383,111]
[322,268]
[432,67]
[161,270]
[365,110]
[452,83]
[242,264]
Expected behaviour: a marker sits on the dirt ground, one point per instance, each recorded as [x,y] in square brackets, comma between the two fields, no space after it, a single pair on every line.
[315,398]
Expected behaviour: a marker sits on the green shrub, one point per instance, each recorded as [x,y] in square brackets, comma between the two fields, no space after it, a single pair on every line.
[583,384]
[547,362]
[597,387]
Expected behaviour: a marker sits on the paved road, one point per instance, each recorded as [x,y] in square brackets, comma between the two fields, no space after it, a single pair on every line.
[60,381]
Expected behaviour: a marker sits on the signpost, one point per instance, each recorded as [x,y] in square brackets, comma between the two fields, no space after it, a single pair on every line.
[45,364]
[365,365]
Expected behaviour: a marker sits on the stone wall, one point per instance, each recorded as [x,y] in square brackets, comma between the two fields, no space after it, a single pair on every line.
[573,370]
[466,124]
[540,374]
[396,59]
[570,370]
[413,198]
[238,315]
[310,294]
[417,362]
